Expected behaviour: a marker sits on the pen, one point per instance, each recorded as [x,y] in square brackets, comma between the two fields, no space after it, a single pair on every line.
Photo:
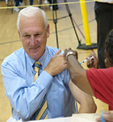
[102,118]
[86,60]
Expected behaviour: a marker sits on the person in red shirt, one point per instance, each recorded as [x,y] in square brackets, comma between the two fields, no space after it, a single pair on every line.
[94,81]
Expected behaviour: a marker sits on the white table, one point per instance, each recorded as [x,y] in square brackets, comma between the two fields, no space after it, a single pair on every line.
[85,117]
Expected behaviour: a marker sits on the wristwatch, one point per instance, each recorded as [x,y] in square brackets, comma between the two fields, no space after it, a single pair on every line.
[70,53]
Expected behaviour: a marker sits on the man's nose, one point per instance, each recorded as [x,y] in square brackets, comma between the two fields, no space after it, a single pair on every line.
[33,40]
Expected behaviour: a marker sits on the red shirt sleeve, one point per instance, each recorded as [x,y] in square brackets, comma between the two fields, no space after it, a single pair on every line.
[101,81]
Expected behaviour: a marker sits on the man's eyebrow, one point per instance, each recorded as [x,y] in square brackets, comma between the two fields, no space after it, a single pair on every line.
[26,33]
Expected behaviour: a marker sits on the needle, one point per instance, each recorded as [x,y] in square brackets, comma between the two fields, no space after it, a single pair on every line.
[86,60]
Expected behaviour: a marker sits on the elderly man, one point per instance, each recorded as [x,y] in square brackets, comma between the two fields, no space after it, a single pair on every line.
[52,88]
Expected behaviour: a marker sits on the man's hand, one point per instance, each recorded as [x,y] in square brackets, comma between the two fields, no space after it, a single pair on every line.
[108,116]
[57,64]
[92,63]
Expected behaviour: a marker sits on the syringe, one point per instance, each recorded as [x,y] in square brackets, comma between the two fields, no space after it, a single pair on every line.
[86,60]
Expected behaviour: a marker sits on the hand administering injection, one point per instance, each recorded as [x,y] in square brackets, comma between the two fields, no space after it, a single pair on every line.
[88,58]
[92,62]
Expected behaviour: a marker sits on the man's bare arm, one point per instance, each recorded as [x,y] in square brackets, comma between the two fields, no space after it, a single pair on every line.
[87,104]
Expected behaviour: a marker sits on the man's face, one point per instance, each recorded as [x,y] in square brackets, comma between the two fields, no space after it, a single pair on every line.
[33,35]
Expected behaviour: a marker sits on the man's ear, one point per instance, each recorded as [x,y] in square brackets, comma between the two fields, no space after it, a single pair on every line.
[48,31]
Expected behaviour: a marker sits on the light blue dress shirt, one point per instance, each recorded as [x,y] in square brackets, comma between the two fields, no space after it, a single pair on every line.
[26,96]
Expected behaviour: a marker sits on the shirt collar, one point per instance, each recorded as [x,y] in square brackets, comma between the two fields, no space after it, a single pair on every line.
[43,57]
[32,61]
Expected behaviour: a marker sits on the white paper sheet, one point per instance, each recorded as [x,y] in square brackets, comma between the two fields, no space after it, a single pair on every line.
[85,117]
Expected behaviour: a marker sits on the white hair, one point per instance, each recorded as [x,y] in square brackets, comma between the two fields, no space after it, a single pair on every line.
[31,12]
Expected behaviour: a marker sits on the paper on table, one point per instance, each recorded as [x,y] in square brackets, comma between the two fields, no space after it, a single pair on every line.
[85,117]
[11,119]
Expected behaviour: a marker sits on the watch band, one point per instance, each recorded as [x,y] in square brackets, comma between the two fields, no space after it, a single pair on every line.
[70,53]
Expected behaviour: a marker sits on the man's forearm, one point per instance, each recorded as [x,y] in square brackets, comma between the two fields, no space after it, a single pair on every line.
[88,106]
